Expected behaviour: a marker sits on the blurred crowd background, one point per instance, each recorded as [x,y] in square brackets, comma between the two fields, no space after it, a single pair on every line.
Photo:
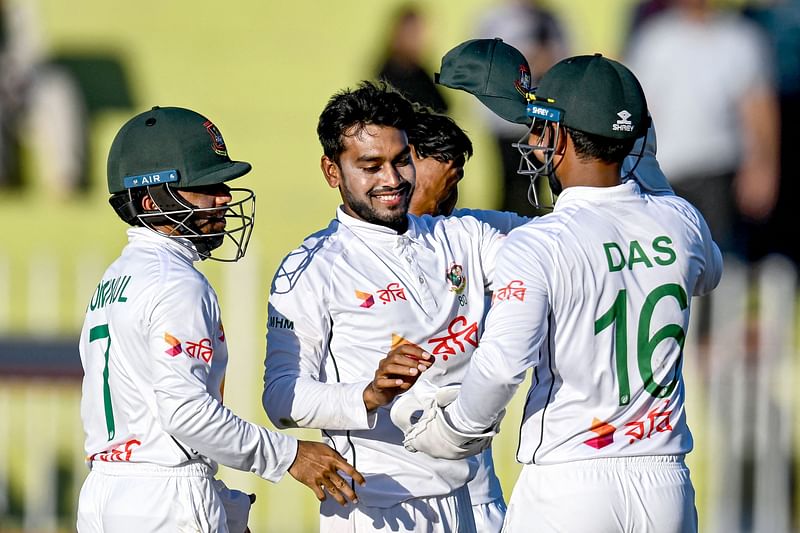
[722,80]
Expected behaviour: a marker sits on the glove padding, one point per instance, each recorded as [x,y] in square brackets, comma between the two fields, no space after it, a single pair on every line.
[432,433]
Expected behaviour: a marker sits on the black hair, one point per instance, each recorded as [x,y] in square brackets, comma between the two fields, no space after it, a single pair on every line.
[589,146]
[438,136]
[349,111]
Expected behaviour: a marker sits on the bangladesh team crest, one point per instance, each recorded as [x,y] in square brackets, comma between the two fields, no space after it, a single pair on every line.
[456,278]
[217,142]
[523,82]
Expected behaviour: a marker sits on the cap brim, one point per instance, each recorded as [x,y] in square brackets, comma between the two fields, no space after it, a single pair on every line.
[510,110]
[222,173]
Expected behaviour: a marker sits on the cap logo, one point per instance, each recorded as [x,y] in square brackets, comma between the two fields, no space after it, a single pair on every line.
[153,178]
[523,83]
[623,124]
[217,142]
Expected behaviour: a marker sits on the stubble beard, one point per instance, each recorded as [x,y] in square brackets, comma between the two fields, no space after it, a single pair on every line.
[395,218]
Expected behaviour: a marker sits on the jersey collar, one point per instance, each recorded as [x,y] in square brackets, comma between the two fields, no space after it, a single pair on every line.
[375,231]
[176,245]
[624,191]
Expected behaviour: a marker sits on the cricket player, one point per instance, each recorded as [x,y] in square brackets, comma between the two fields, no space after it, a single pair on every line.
[496,73]
[154,351]
[377,281]
[440,149]
[595,298]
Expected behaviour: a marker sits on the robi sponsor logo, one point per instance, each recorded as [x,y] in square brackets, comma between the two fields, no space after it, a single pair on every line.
[201,349]
[368,300]
[393,292]
[121,453]
[462,335]
[174,345]
[605,434]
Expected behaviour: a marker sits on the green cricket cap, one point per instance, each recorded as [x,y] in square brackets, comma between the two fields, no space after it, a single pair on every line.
[595,95]
[170,145]
[494,72]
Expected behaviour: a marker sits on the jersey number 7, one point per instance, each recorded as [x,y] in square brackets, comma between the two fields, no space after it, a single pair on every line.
[645,345]
[98,333]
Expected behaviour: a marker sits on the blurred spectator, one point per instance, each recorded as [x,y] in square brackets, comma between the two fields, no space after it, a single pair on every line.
[401,65]
[41,107]
[709,83]
[539,35]
[781,21]
[643,11]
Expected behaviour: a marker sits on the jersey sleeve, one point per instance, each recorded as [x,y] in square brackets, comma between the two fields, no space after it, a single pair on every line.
[298,333]
[712,269]
[184,319]
[515,328]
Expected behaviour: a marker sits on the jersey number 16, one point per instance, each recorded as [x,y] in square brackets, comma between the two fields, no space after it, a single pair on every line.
[646,344]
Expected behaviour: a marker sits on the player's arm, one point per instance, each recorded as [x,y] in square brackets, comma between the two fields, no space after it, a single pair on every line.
[515,328]
[298,333]
[712,268]
[184,314]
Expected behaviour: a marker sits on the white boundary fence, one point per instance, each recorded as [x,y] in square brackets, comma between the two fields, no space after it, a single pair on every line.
[742,401]
[742,405]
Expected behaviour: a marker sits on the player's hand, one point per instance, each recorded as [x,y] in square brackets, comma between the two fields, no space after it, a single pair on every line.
[317,466]
[396,372]
[437,187]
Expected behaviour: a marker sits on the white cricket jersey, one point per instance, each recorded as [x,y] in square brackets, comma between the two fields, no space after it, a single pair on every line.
[341,302]
[485,487]
[502,221]
[154,355]
[595,297]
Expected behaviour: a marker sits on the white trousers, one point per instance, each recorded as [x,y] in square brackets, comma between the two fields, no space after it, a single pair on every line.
[439,514]
[144,498]
[617,495]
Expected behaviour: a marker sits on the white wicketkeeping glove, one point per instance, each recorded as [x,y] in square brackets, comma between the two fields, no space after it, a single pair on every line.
[431,433]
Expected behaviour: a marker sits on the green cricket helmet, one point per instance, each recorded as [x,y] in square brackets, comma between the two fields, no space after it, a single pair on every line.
[588,93]
[168,149]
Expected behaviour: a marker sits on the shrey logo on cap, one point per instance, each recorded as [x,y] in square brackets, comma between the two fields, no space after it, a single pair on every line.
[623,124]
[217,142]
[523,83]
[547,113]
